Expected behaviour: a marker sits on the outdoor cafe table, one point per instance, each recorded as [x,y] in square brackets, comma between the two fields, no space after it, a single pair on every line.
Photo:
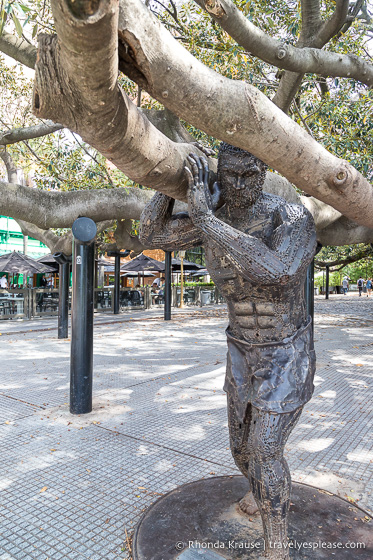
[16,303]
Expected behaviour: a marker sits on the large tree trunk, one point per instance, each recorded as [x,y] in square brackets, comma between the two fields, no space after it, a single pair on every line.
[76,86]
[251,122]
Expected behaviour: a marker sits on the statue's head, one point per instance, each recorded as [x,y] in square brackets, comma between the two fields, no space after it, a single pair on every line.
[240,175]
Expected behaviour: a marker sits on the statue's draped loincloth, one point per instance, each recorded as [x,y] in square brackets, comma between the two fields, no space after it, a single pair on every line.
[273,377]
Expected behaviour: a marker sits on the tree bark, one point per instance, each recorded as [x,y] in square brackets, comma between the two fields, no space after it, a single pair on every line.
[18,134]
[252,122]
[76,85]
[276,52]
[51,209]
[110,122]
[344,232]
[18,48]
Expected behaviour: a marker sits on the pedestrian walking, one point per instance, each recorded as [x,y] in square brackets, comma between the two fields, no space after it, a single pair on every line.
[369,287]
[360,285]
[345,285]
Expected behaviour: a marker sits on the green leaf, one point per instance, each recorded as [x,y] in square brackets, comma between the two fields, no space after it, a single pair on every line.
[24,8]
[34,30]
[3,17]
[17,24]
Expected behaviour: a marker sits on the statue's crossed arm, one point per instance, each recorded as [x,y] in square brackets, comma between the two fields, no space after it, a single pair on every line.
[159,228]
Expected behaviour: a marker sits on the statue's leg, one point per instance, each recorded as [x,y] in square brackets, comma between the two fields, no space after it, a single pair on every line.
[238,434]
[269,475]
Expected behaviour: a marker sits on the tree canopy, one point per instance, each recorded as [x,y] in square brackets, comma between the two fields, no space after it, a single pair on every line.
[122,89]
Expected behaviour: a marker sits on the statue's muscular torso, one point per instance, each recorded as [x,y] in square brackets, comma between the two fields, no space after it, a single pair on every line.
[257,312]
[260,273]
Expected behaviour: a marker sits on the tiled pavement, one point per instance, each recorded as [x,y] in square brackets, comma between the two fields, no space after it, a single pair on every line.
[74,487]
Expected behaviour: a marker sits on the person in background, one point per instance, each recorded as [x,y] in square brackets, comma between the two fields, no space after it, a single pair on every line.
[159,281]
[360,285]
[155,287]
[345,285]
[3,282]
[369,287]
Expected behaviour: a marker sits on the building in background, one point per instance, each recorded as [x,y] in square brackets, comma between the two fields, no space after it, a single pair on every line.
[11,239]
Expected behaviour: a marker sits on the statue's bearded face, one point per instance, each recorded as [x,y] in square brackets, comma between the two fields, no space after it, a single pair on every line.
[240,178]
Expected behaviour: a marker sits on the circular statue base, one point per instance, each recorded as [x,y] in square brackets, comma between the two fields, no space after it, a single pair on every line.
[202,521]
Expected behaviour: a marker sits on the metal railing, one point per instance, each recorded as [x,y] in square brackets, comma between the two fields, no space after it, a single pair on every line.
[14,303]
[133,297]
[39,302]
[45,301]
[103,299]
[197,296]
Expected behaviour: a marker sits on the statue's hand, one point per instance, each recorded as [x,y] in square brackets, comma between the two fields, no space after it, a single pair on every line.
[216,197]
[207,151]
[199,197]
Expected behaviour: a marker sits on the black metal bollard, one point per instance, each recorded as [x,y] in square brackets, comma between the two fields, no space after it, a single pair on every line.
[167,286]
[117,256]
[116,283]
[327,283]
[81,365]
[63,300]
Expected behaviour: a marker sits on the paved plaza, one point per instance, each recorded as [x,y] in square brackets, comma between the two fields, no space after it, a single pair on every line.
[73,488]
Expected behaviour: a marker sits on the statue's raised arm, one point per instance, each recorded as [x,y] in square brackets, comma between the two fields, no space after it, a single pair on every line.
[277,253]
[159,228]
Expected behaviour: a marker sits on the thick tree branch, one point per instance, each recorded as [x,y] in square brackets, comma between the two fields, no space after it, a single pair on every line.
[18,48]
[311,18]
[125,240]
[169,124]
[335,23]
[9,165]
[46,236]
[76,84]
[29,132]
[314,34]
[252,122]
[323,214]
[288,88]
[342,262]
[56,243]
[345,232]
[275,52]
[48,209]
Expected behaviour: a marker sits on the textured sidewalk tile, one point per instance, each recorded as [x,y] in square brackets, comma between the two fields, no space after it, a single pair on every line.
[72,486]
